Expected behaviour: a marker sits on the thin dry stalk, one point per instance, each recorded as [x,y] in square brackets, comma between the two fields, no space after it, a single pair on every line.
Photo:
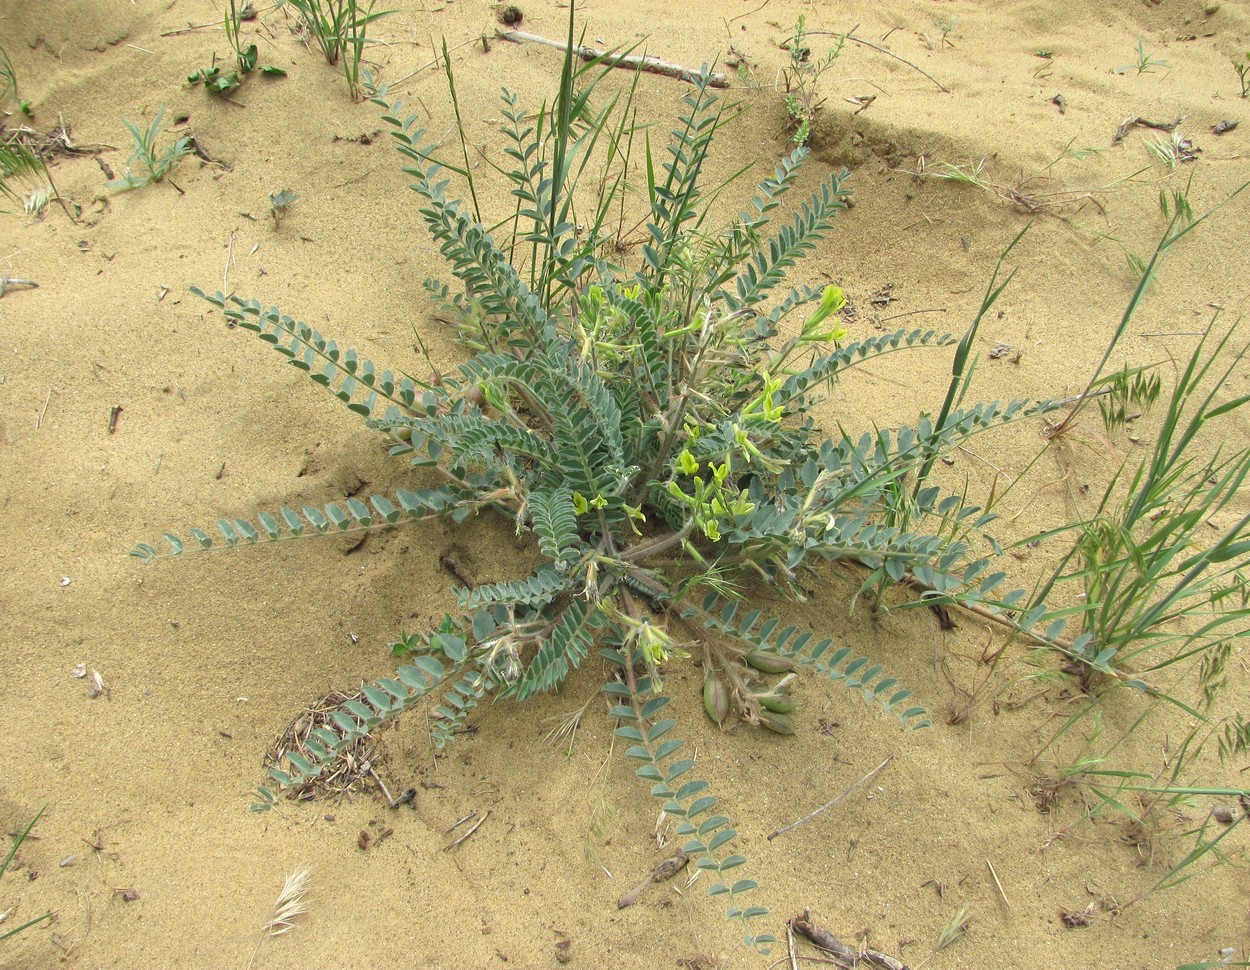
[841,955]
[476,826]
[631,62]
[884,50]
[997,882]
[833,801]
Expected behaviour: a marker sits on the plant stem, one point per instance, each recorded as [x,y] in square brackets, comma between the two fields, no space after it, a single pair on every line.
[884,50]
[631,62]
[644,551]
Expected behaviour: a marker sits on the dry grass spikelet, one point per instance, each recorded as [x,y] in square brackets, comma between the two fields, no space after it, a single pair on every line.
[290,902]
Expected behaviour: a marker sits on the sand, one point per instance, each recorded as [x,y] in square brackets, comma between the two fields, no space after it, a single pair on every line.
[147,853]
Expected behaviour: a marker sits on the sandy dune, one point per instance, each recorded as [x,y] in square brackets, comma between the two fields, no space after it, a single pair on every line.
[206,660]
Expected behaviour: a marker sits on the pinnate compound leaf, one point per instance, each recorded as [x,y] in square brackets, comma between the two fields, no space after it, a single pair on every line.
[565,648]
[842,665]
[330,519]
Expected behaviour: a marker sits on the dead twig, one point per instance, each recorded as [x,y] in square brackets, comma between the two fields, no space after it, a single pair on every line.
[1132,122]
[843,955]
[665,870]
[631,62]
[476,825]
[459,822]
[434,63]
[191,28]
[829,804]
[225,273]
[884,50]
[404,798]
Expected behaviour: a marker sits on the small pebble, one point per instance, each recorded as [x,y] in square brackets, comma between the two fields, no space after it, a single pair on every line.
[1224,815]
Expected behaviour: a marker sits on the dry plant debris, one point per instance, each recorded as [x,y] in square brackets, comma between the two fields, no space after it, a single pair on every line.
[664,871]
[842,955]
[353,764]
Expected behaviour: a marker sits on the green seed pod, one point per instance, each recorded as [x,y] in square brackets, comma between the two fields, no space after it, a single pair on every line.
[777,703]
[776,722]
[715,698]
[768,662]
[402,434]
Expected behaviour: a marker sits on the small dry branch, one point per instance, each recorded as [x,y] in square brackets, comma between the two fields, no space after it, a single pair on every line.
[631,62]
[665,870]
[882,50]
[476,825]
[843,955]
[1132,122]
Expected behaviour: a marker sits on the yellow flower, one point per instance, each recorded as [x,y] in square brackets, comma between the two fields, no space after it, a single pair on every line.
[832,301]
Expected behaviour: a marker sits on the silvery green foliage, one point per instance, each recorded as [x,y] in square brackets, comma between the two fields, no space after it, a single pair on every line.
[650,424]
[149,163]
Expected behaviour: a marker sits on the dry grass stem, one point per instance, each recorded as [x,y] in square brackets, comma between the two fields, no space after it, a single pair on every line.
[1002,892]
[476,826]
[829,804]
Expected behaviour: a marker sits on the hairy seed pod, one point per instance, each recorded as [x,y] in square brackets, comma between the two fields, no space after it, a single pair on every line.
[776,722]
[769,662]
[777,703]
[715,698]
[473,395]
[402,434]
